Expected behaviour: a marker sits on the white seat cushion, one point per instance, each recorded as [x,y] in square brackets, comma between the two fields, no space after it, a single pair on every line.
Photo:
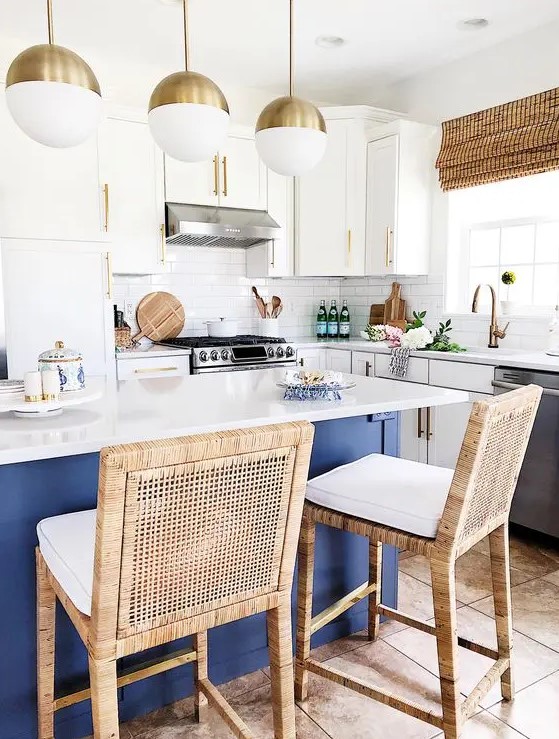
[394,492]
[67,544]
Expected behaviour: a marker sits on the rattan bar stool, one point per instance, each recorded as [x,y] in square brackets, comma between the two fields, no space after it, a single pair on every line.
[436,513]
[189,534]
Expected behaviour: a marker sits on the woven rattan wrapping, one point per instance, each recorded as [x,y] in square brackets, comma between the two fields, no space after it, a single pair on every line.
[512,140]
[203,535]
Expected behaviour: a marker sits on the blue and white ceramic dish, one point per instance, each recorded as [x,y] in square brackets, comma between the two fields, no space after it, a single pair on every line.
[68,363]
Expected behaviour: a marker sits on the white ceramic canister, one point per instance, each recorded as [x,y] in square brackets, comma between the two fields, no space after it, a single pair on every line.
[68,363]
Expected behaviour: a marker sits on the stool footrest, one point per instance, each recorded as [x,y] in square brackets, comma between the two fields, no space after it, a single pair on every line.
[469,706]
[370,691]
[217,701]
[342,605]
[132,675]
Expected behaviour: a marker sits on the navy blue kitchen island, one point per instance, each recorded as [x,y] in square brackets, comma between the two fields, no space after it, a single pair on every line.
[38,489]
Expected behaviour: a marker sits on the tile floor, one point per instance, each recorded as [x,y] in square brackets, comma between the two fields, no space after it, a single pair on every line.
[405,660]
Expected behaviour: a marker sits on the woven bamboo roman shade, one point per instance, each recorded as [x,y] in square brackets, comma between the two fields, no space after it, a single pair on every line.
[512,140]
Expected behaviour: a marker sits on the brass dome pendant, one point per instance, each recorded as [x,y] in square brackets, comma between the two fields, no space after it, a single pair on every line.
[53,94]
[291,111]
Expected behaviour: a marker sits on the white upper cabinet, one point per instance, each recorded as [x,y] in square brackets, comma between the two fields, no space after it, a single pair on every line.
[131,174]
[331,199]
[400,171]
[235,178]
[47,193]
[275,258]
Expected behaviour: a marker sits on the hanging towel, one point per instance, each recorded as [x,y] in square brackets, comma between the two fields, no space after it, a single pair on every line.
[399,360]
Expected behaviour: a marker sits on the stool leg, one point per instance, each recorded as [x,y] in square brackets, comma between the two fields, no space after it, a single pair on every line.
[46,614]
[304,606]
[375,576]
[444,599]
[500,573]
[104,699]
[200,673]
[281,670]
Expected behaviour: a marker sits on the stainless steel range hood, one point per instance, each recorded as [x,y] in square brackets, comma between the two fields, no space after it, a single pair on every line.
[201,225]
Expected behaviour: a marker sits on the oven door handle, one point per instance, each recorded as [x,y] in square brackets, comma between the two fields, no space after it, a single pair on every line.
[514,386]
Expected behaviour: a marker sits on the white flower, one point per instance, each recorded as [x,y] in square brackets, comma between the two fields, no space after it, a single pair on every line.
[416,338]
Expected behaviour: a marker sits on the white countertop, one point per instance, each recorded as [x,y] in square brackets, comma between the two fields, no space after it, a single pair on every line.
[476,355]
[136,410]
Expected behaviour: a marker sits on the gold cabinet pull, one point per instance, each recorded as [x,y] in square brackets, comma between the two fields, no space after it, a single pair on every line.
[106,206]
[367,369]
[349,243]
[387,259]
[151,370]
[163,244]
[216,175]
[109,260]
[225,176]
[273,260]
[419,424]
[429,432]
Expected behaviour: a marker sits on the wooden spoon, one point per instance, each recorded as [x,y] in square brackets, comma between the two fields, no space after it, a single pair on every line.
[276,302]
[260,304]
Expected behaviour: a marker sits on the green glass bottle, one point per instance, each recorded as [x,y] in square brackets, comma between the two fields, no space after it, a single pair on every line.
[333,321]
[322,321]
[345,322]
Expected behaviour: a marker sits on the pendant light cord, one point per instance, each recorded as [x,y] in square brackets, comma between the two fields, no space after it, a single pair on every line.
[50,24]
[186,44]
[291,42]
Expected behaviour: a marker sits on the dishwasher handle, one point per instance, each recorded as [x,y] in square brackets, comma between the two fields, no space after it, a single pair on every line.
[514,386]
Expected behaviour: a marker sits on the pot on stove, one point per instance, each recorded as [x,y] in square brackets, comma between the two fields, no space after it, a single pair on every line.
[222,327]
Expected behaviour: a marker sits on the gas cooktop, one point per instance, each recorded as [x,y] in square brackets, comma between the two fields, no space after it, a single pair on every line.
[199,342]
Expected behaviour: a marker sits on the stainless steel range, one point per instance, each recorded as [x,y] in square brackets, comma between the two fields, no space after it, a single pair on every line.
[210,354]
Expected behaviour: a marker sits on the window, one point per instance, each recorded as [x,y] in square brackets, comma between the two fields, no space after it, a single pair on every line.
[506,226]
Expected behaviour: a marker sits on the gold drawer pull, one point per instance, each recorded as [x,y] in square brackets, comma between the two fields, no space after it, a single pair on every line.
[146,370]
[216,175]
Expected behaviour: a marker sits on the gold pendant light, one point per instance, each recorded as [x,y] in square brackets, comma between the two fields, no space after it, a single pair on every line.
[53,94]
[291,132]
[188,113]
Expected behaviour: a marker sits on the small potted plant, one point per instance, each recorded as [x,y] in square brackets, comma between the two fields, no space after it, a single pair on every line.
[508,278]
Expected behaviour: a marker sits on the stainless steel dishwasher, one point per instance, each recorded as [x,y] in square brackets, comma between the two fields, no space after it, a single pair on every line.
[536,500]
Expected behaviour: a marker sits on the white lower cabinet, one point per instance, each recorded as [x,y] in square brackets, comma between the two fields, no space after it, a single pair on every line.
[338,360]
[447,426]
[311,358]
[363,363]
[57,291]
[140,368]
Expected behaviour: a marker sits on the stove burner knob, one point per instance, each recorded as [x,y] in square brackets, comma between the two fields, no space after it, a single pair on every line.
[225,355]
[203,356]
[271,353]
[214,356]
[280,352]
[289,351]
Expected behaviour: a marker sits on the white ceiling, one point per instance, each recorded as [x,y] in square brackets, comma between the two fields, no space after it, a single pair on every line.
[244,42]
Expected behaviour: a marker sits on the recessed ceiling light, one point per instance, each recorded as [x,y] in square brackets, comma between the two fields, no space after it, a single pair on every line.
[473,24]
[330,42]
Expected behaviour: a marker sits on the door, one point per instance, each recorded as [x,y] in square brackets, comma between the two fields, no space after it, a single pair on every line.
[57,291]
[382,190]
[310,358]
[242,175]
[323,233]
[47,193]
[363,363]
[196,183]
[445,427]
[275,258]
[413,440]
[131,168]
[338,360]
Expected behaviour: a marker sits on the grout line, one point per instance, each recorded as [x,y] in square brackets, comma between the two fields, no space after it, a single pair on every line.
[315,722]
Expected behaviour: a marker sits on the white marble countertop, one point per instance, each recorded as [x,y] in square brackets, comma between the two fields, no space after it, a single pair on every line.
[475,355]
[136,410]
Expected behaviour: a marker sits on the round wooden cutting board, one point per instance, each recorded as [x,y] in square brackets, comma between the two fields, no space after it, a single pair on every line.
[160,316]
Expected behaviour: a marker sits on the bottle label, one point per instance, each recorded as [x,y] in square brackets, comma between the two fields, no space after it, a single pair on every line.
[320,328]
[332,329]
[344,329]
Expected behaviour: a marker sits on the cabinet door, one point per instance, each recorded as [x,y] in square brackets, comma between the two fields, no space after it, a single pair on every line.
[413,441]
[323,238]
[57,291]
[194,183]
[310,358]
[363,363]
[275,258]
[447,427]
[382,187]
[131,167]
[243,175]
[47,193]
[338,360]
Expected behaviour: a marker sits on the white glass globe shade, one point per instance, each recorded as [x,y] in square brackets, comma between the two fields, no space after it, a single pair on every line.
[290,150]
[55,114]
[190,132]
